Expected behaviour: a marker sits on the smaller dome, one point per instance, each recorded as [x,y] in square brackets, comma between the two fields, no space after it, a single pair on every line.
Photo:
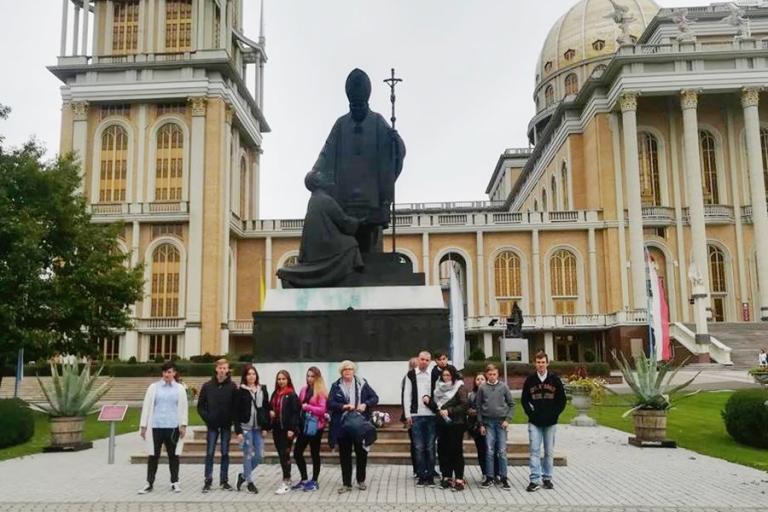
[582,39]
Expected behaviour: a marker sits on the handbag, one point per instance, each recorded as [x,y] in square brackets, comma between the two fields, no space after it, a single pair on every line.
[310,424]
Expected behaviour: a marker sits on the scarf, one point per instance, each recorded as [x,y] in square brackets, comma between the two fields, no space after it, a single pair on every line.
[257,396]
[444,391]
[277,399]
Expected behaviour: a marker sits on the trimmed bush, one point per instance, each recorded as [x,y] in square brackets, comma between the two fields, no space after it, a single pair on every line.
[746,417]
[17,424]
[477,355]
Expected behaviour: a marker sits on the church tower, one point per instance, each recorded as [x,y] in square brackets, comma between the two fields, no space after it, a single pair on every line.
[158,111]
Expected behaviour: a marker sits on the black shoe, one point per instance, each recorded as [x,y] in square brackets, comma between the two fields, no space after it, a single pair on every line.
[225,486]
[533,487]
[252,488]
[420,482]
[548,485]
[497,480]
[206,487]
[505,484]
[487,483]
[430,482]
[445,483]
[240,481]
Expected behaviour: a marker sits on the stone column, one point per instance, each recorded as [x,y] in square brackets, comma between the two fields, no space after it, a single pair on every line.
[80,137]
[268,263]
[131,340]
[591,248]
[480,257]
[689,103]
[86,16]
[536,272]
[223,26]
[488,343]
[628,104]
[226,202]
[64,15]
[749,101]
[75,31]
[425,266]
[193,333]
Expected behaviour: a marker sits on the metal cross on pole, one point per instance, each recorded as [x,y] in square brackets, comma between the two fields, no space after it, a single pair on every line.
[392,81]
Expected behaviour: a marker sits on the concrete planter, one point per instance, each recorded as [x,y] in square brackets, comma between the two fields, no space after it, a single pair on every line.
[582,401]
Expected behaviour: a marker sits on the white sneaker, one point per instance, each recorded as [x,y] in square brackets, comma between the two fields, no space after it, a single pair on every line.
[283,489]
[176,487]
[146,489]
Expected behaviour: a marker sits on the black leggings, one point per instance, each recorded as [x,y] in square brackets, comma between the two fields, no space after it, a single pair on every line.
[345,456]
[450,446]
[314,450]
[283,446]
[168,437]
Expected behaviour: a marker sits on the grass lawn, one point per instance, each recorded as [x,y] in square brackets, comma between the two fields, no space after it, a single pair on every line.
[93,430]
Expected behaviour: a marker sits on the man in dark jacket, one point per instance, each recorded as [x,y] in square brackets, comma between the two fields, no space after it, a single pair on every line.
[543,400]
[216,406]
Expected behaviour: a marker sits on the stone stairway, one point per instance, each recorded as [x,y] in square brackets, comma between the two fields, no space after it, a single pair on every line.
[392,447]
[744,339]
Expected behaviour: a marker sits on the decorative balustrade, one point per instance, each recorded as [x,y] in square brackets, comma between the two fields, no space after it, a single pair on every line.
[127,210]
[164,207]
[160,324]
[240,326]
[108,209]
[507,218]
[566,216]
[539,322]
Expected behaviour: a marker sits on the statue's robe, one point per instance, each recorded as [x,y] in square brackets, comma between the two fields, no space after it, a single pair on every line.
[328,251]
[362,162]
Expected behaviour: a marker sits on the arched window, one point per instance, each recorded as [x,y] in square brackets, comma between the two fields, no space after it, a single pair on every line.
[506,269]
[535,205]
[598,44]
[292,261]
[403,259]
[564,183]
[717,283]
[565,287]
[709,167]
[553,187]
[125,27]
[764,148]
[178,25]
[599,70]
[170,163]
[243,188]
[544,206]
[166,268]
[453,262]
[548,66]
[571,84]
[549,96]
[114,165]
[649,170]
[569,54]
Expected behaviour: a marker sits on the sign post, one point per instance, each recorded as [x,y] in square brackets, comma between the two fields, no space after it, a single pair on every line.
[112,414]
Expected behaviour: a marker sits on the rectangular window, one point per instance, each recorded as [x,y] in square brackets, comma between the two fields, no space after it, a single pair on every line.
[178,25]
[163,345]
[123,110]
[171,108]
[125,27]
[159,230]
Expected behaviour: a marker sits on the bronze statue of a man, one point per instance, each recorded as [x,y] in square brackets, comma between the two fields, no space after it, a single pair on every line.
[362,158]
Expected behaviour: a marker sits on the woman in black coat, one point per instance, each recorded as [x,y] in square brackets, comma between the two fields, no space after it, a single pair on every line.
[450,404]
[285,416]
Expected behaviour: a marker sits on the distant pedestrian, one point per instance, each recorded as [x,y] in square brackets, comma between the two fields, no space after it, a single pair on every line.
[350,402]
[762,358]
[216,408]
[417,396]
[164,414]
[543,401]
[285,417]
[495,410]
[450,404]
[412,363]
[314,399]
[251,424]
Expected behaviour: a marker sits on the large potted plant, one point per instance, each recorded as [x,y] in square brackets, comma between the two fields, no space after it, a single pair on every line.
[584,391]
[653,391]
[760,374]
[70,397]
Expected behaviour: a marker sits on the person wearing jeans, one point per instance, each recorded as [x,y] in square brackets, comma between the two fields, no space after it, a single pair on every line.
[495,409]
[543,399]
[251,424]
[417,398]
[216,407]
[164,416]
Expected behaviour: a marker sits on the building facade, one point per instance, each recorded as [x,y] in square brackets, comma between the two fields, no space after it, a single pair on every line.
[649,135]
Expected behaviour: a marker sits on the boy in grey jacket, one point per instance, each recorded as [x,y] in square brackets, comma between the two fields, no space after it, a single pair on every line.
[495,409]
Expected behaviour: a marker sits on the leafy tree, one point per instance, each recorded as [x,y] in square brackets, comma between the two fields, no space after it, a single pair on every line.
[63,280]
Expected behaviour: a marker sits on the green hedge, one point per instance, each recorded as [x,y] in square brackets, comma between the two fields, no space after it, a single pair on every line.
[746,417]
[524,369]
[16,422]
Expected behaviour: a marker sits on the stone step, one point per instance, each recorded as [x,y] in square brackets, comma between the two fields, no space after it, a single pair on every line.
[388,432]
[374,457]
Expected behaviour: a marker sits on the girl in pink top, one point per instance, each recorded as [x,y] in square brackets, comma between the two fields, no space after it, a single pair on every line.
[313,398]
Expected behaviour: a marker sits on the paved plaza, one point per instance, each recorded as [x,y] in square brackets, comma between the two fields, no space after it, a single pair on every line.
[604,473]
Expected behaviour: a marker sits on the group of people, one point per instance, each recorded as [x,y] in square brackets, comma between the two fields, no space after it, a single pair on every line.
[438,411]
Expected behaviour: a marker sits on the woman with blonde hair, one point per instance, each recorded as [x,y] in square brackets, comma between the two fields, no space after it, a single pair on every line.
[313,398]
[350,396]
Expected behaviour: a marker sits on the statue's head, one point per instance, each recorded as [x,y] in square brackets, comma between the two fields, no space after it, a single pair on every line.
[358,89]
[314,181]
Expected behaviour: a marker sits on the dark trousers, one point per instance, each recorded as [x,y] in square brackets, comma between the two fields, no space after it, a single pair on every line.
[345,456]
[482,452]
[211,438]
[413,452]
[314,450]
[168,437]
[283,446]
[424,445]
[450,447]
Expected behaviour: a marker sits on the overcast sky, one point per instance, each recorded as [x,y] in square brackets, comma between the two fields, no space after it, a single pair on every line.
[467,65]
